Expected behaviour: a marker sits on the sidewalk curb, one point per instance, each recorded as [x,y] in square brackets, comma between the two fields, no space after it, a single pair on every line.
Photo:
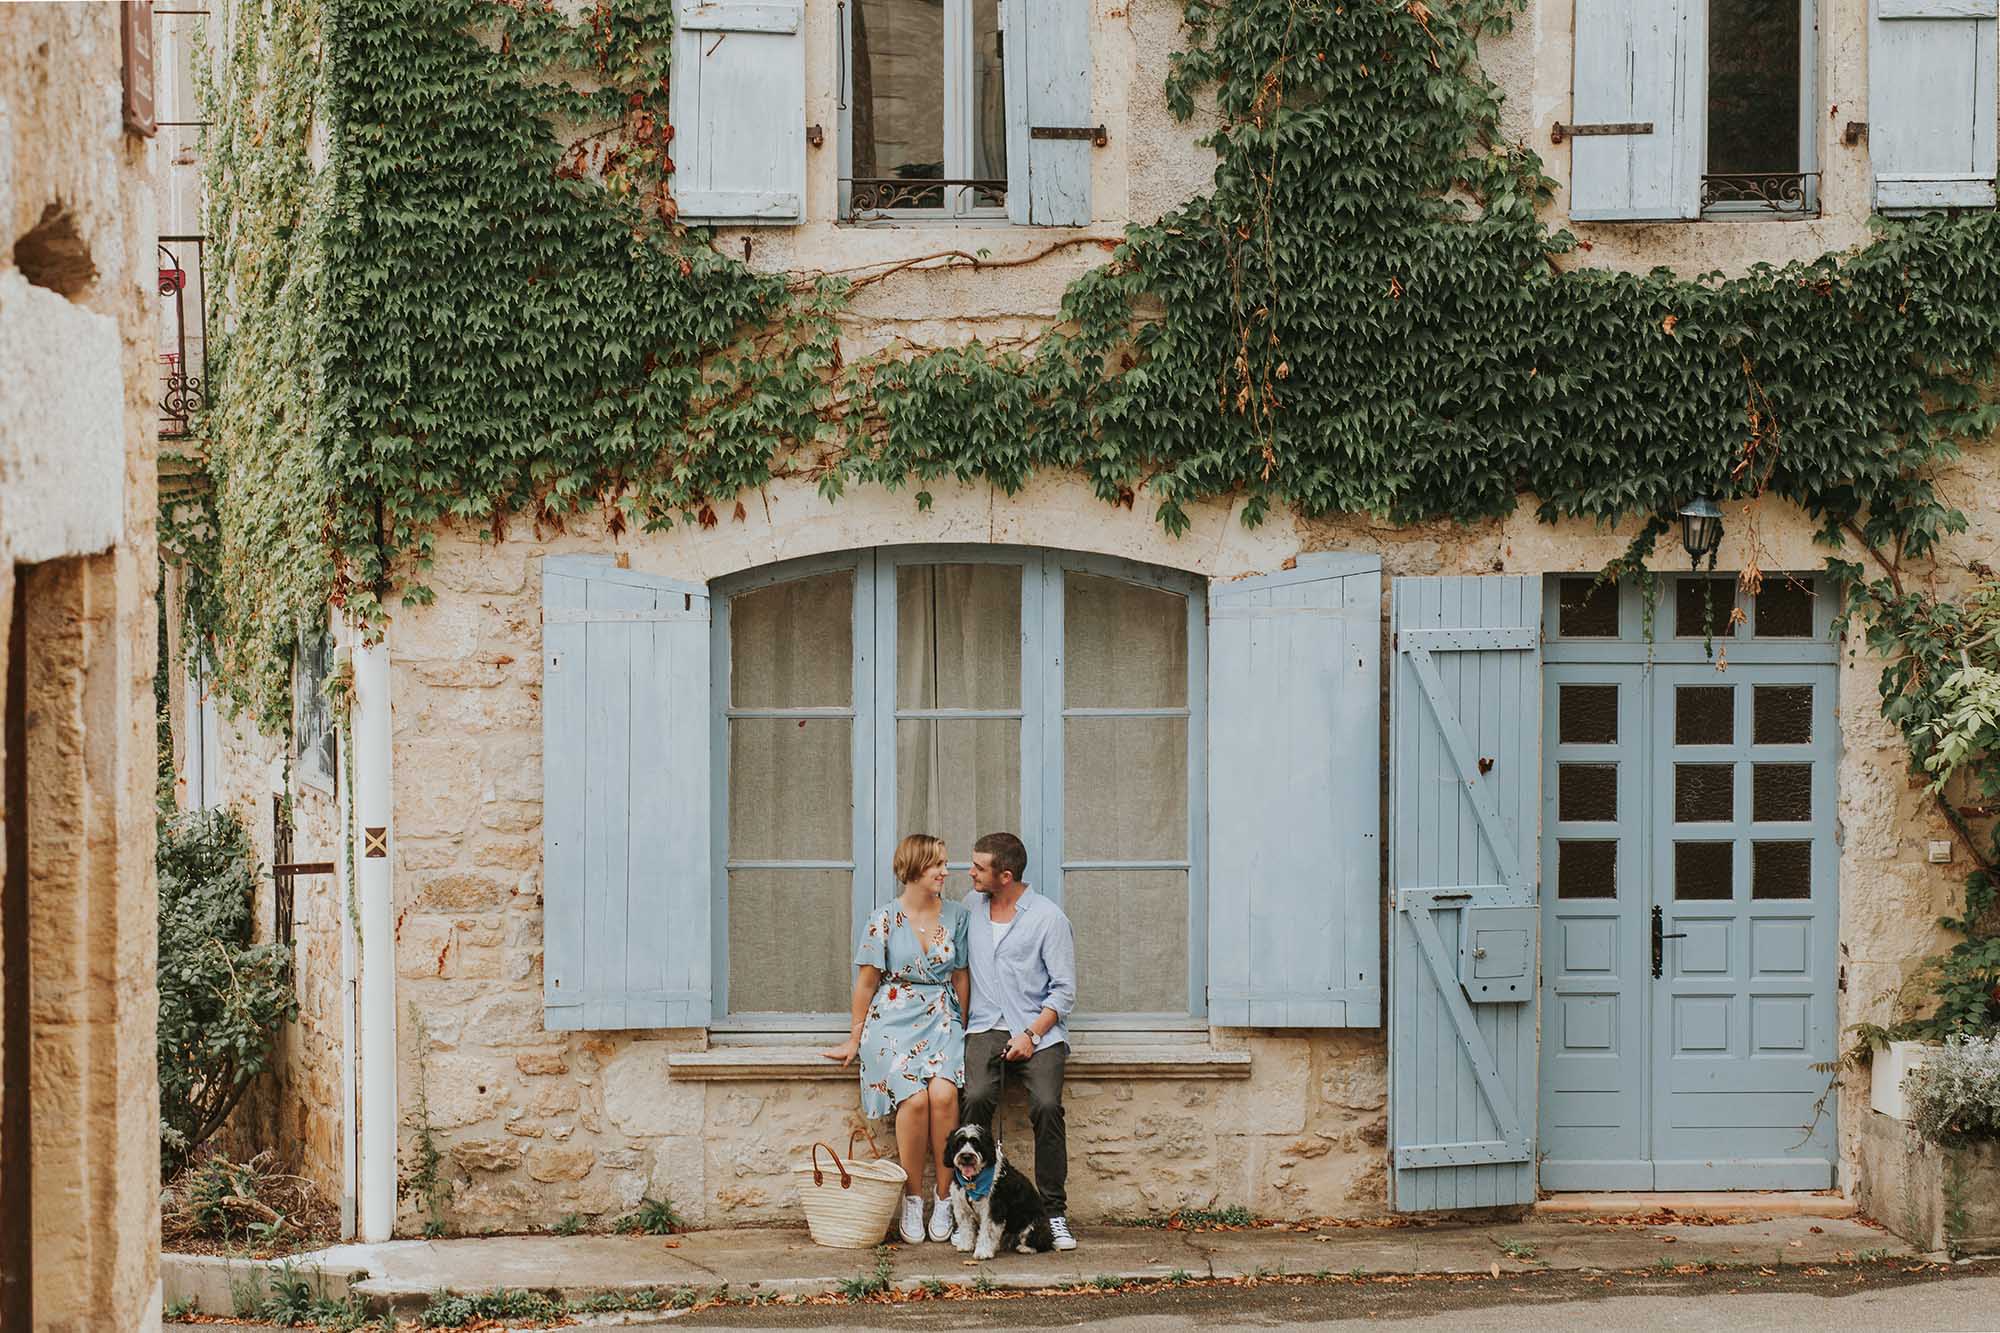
[211,1280]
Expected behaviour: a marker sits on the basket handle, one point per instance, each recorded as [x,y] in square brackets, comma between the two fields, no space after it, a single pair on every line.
[863,1132]
[846,1181]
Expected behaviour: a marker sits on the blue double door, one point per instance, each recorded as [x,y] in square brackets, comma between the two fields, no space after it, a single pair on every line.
[1689,891]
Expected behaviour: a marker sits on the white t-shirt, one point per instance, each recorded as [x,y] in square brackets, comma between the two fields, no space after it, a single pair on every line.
[999,933]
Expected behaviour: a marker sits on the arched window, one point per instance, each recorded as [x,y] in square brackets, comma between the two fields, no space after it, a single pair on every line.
[958,691]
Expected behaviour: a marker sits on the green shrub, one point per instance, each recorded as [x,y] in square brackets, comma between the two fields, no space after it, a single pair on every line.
[223,998]
[653,1217]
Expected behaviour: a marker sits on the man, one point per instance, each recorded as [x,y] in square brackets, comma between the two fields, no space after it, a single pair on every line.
[1023,988]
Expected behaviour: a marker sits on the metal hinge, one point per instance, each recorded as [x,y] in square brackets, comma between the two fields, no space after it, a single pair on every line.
[1094,133]
[1562,131]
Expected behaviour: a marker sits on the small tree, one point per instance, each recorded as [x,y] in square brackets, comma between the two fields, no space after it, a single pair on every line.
[223,998]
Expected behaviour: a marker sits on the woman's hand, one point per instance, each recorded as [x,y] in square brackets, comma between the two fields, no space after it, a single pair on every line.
[845,1052]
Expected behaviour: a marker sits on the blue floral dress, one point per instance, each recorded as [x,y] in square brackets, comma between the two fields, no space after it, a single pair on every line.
[914,1031]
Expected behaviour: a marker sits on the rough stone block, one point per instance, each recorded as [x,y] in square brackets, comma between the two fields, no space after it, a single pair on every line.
[486,1154]
[424,947]
[460,891]
[461,1089]
[547,1163]
[641,1100]
[542,1062]
[511,816]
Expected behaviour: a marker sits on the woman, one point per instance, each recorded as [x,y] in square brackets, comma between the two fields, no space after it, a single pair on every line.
[912,988]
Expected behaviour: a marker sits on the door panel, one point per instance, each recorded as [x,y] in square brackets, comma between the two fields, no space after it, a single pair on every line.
[1744,871]
[1594,1067]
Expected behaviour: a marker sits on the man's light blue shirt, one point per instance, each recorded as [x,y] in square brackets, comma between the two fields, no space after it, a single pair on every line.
[1033,969]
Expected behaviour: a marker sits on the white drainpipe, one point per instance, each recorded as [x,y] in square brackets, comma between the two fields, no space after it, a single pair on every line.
[343,888]
[372,860]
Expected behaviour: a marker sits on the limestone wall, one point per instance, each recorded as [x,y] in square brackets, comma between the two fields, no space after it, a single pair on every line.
[77,296]
[539,1124]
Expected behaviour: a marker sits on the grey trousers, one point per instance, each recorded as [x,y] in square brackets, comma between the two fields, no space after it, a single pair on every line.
[986,1076]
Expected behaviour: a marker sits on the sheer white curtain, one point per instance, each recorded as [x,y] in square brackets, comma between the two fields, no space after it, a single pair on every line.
[791,793]
[958,646]
[1125,796]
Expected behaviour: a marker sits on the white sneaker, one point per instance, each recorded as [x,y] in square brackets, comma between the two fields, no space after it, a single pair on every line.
[941,1219]
[1060,1226]
[911,1227]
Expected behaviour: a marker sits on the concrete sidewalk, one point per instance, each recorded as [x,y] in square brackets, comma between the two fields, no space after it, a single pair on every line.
[402,1275]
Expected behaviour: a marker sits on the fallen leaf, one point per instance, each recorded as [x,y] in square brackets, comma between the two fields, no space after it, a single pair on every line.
[1496,1270]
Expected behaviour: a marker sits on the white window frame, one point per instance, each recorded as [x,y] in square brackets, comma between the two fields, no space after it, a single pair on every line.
[1809,123]
[1042,715]
[960,203]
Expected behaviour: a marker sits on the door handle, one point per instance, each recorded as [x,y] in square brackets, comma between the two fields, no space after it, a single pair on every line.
[1660,937]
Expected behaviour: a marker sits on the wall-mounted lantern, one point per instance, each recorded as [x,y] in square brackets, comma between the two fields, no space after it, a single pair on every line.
[1701,530]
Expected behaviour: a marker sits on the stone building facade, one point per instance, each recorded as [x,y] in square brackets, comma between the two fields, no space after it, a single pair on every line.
[536,1122]
[77,574]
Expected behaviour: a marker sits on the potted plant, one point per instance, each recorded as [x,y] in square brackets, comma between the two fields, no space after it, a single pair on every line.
[1951,1194]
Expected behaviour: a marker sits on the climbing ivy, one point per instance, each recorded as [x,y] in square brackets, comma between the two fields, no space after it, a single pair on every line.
[482,308]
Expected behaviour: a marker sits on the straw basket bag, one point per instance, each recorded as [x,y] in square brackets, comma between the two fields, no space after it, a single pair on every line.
[850,1206]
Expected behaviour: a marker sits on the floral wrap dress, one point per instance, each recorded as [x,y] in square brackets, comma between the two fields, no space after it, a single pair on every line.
[914,1031]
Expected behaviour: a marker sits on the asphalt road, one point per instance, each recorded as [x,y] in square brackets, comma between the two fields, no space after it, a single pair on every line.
[1966,1297]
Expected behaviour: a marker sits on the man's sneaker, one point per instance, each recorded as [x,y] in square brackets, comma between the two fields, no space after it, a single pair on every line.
[1060,1226]
[941,1219]
[911,1227]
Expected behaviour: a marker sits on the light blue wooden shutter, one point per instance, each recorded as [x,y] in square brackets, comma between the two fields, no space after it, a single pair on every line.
[1048,85]
[1294,780]
[625,801]
[739,107]
[1637,110]
[1465,773]
[1931,108]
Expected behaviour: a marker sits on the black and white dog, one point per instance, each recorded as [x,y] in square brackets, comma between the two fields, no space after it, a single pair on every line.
[994,1206]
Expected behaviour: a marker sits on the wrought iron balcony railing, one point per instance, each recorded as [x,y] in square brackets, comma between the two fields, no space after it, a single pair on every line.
[878,194]
[183,314]
[1762,191]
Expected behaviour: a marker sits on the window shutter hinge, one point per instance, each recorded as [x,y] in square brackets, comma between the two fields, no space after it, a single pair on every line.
[1560,131]
[1096,134]
[815,135]
[1856,131]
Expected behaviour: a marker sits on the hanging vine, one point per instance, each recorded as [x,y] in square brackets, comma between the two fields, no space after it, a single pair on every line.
[480,306]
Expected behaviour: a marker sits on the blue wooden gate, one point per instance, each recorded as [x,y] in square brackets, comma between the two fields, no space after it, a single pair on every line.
[1465,738]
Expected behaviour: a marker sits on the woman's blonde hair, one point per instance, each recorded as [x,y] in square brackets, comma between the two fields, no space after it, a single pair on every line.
[916,854]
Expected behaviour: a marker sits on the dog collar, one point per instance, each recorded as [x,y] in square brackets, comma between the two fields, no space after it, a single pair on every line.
[980,1185]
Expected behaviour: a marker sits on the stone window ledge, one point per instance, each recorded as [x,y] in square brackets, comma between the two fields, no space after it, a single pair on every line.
[1088,1060]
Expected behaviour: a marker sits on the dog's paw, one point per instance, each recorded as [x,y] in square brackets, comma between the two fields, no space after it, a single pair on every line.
[983,1252]
[1025,1248]
[961,1242]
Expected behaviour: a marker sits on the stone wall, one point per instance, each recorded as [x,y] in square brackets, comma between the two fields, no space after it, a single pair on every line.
[539,1124]
[77,296]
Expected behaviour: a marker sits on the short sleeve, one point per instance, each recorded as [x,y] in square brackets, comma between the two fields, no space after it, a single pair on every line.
[874,949]
[961,940]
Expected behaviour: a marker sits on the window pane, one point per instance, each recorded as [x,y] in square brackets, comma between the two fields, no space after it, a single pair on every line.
[989,95]
[1704,871]
[1131,939]
[958,636]
[1785,609]
[1586,792]
[790,941]
[1704,715]
[897,111]
[1781,715]
[1694,598]
[1704,793]
[1587,609]
[957,780]
[1753,86]
[791,645]
[1586,868]
[1124,644]
[791,789]
[1781,792]
[1125,789]
[1781,870]
[1587,715]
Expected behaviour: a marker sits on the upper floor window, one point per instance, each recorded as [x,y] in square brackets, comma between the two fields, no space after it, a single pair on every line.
[924,128]
[1692,108]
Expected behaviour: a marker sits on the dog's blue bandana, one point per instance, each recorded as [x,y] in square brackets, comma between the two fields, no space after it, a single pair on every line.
[980,1185]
